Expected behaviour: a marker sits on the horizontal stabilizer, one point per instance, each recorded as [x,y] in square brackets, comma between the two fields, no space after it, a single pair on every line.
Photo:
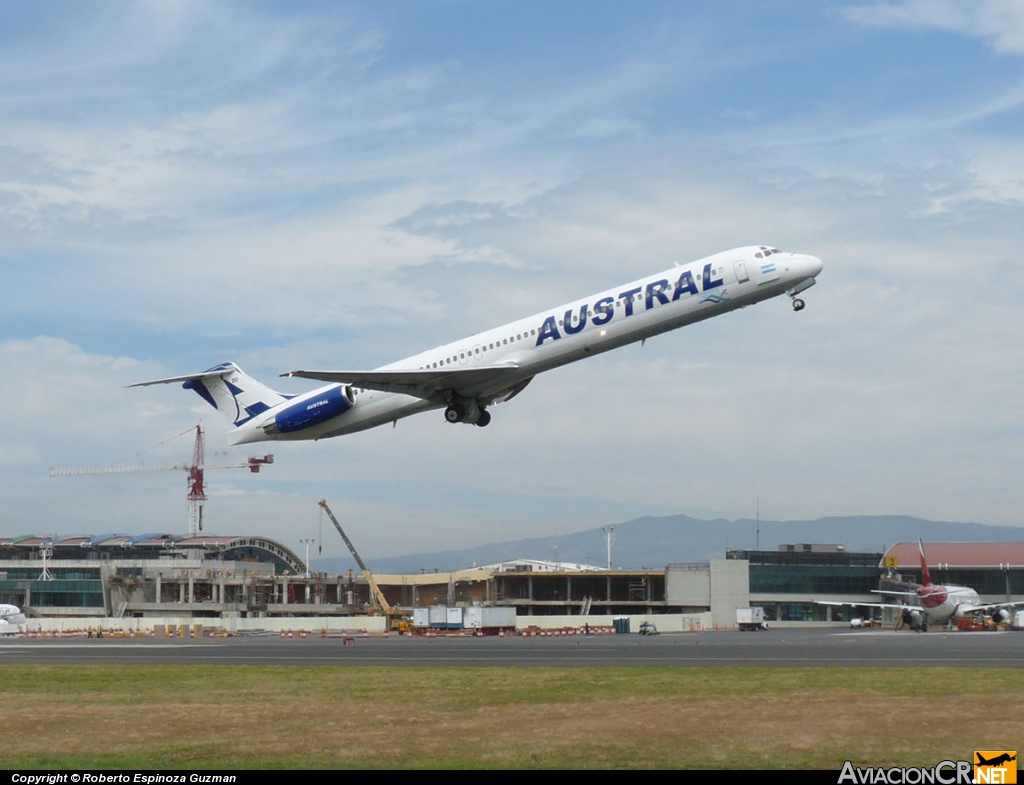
[425,383]
[895,593]
[228,390]
[218,370]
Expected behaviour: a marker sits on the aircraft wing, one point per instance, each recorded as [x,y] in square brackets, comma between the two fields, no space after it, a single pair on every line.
[902,607]
[426,383]
[995,606]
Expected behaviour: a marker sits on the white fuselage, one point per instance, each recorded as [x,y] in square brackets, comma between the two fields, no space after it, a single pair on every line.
[941,603]
[615,317]
[10,617]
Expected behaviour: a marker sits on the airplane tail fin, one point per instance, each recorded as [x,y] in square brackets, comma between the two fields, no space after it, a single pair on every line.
[926,578]
[228,390]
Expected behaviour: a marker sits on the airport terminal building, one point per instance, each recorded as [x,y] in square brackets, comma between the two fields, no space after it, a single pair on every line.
[152,576]
[116,575]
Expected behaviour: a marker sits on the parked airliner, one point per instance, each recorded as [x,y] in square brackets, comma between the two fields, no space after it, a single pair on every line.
[466,377]
[938,603]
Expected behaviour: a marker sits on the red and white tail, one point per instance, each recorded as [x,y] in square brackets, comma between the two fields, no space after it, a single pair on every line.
[926,578]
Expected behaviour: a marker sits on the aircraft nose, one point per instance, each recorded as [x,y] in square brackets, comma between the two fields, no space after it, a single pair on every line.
[811,266]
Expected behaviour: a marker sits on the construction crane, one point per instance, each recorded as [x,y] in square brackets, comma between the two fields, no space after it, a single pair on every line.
[196,474]
[379,600]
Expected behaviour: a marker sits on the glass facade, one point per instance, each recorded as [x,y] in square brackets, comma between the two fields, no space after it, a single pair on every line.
[809,572]
[52,594]
[772,579]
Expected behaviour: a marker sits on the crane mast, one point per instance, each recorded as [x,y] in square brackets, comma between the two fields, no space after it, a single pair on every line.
[196,474]
[196,485]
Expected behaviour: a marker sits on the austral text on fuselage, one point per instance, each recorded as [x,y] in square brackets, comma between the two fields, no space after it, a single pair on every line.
[604,309]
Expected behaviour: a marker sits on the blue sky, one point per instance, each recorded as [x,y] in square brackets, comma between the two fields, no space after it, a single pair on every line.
[341,185]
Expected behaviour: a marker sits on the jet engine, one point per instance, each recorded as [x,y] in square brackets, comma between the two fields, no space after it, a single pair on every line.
[313,410]
[912,619]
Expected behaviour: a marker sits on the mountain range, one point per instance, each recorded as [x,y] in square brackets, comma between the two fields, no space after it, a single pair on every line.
[655,542]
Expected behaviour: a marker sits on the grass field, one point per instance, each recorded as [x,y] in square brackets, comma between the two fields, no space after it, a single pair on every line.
[344,717]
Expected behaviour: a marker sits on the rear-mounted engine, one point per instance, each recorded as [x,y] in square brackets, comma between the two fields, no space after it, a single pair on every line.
[313,411]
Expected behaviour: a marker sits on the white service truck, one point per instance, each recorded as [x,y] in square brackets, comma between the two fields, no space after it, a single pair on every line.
[751,619]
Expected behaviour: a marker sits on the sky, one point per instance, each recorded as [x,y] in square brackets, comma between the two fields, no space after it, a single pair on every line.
[341,185]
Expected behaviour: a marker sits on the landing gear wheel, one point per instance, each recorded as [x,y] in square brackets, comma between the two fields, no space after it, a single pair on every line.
[798,304]
[454,413]
[485,418]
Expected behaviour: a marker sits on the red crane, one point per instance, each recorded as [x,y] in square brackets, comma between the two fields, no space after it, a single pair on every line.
[196,475]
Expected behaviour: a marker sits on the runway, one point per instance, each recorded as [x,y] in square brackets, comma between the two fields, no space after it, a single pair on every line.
[773,648]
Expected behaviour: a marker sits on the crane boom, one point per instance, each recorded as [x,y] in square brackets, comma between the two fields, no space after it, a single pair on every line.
[378,595]
[196,474]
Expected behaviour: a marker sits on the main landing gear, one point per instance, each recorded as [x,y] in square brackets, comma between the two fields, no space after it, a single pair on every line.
[798,304]
[469,412]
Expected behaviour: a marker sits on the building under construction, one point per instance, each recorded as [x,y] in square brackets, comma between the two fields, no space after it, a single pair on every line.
[160,576]
[204,576]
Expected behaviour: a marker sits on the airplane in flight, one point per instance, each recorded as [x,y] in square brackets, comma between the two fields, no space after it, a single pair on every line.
[937,604]
[468,376]
[10,617]
[996,761]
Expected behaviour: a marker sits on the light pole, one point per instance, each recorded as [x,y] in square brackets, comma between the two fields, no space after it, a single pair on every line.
[608,531]
[307,541]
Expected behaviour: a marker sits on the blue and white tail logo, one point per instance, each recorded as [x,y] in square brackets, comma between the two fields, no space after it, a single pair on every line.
[235,395]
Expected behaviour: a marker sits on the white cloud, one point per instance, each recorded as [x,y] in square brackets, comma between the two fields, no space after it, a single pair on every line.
[334,199]
[999,23]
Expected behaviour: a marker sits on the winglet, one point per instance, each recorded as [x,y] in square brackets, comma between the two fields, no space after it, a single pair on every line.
[926,578]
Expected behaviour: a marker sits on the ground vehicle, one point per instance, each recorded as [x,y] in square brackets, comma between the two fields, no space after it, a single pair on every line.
[751,619]
[648,629]
[859,623]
